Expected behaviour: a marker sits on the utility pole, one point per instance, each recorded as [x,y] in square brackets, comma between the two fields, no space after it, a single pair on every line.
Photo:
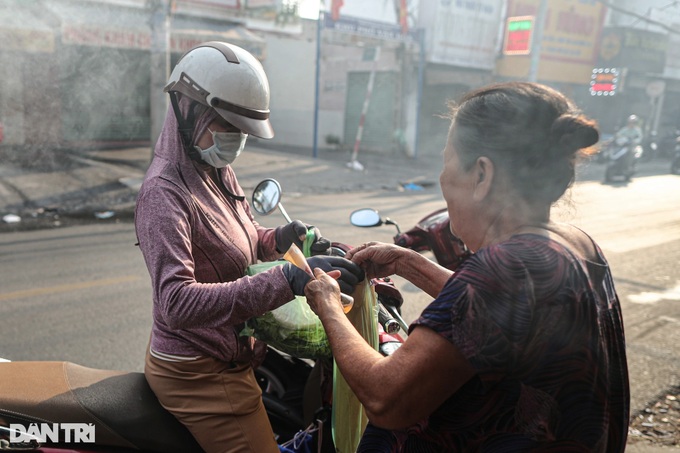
[160,64]
[537,39]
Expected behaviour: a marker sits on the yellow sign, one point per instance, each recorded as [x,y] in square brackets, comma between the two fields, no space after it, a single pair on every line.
[570,41]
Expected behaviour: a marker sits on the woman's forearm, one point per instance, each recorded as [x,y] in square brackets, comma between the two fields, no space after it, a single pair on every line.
[423,272]
[358,362]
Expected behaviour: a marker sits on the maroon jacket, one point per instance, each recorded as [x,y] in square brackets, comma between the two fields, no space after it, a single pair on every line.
[197,241]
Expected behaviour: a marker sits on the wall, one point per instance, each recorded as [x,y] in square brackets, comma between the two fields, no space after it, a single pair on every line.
[290,66]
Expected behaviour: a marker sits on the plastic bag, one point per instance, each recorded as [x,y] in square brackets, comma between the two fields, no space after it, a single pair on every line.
[292,328]
[303,442]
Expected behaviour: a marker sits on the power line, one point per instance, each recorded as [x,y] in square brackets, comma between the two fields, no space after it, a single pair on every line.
[649,11]
[641,17]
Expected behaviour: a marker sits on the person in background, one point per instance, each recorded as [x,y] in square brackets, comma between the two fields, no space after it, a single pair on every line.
[631,131]
[523,347]
[198,237]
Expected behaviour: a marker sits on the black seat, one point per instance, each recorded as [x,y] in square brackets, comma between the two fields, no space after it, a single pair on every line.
[121,405]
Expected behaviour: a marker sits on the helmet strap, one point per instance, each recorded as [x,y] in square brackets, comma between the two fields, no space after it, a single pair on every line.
[185,126]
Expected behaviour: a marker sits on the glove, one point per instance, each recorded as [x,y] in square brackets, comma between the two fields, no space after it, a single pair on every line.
[351,274]
[295,232]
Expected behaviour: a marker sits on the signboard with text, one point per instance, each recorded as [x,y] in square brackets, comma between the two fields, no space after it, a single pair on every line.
[572,27]
[518,34]
[569,44]
[638,50]
[462,32]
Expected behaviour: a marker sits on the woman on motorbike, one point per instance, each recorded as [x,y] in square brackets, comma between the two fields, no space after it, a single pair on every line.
[523,346]
[198,237]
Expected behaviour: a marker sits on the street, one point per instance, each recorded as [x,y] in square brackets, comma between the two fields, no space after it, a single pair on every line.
[82,293]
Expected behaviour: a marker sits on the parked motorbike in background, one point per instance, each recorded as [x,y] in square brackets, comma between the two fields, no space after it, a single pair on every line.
[650,147]
[675,162]
[668,143]
[431,233]
[622,157]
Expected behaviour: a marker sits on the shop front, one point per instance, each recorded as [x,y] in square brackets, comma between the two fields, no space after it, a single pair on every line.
[104,69]
[28,107]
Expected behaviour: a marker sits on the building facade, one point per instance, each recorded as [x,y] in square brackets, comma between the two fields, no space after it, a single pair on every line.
[376,76]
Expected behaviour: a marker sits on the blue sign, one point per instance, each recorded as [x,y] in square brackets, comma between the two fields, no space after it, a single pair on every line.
[363,27]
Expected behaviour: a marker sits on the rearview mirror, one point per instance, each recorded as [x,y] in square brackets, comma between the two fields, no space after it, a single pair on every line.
[366,217]
[266,196]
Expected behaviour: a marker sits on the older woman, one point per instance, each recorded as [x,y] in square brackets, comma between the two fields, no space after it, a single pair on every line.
[523,347]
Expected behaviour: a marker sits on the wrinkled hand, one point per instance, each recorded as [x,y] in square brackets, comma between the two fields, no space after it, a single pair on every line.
[378,259]
[349,274]
[295,233]
[323,292]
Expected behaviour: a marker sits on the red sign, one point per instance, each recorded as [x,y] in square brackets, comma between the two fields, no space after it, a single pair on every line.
[518,35]
[605,81]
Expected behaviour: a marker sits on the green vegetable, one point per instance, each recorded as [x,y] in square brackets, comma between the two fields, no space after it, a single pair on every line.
[292,328]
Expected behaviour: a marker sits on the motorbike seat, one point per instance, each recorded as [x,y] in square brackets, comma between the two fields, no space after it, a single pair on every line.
[122,407]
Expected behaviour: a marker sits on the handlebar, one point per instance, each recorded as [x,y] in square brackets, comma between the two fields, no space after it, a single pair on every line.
[389,324]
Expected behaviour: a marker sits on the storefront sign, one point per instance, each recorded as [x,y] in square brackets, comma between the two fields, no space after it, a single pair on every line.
[571,36]
[462,32]
[180,40]
[88,35]
[572,28]
[637,50]
[218,3]
[518,34]
[364,27]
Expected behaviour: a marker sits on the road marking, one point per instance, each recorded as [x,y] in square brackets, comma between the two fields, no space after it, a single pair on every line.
[654,297]
[68,287]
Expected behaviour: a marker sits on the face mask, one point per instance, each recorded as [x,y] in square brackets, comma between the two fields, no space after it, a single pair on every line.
[225,149]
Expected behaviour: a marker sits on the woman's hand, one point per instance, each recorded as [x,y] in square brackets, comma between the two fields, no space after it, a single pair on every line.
[378,259]
[323,292]
[382,260]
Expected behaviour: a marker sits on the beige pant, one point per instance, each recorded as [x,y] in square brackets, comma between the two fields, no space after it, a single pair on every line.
[220,403]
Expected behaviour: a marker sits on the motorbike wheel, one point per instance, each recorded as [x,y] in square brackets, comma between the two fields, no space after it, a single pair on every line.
[675,166]
[285,421]
[269,382]
[609,174]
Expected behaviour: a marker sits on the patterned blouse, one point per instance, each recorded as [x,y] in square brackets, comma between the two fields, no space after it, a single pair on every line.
[543,329]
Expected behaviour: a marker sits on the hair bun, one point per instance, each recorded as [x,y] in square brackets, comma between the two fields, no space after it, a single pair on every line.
[573,132]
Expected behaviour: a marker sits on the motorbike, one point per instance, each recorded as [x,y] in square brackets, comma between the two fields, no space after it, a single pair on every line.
[431,233]
[668,142]
[675,162]
[622,157]
[650,147]
[58,407]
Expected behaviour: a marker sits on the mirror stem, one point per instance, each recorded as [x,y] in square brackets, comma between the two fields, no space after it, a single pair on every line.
[389,221]
[285,214]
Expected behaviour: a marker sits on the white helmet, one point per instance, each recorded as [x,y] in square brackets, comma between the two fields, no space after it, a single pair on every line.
[229,79]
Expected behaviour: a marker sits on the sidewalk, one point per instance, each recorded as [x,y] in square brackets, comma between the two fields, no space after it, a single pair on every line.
[83,184]
[104,183]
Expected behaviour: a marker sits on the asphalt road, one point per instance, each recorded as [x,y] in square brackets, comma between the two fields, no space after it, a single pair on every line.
[82,293]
